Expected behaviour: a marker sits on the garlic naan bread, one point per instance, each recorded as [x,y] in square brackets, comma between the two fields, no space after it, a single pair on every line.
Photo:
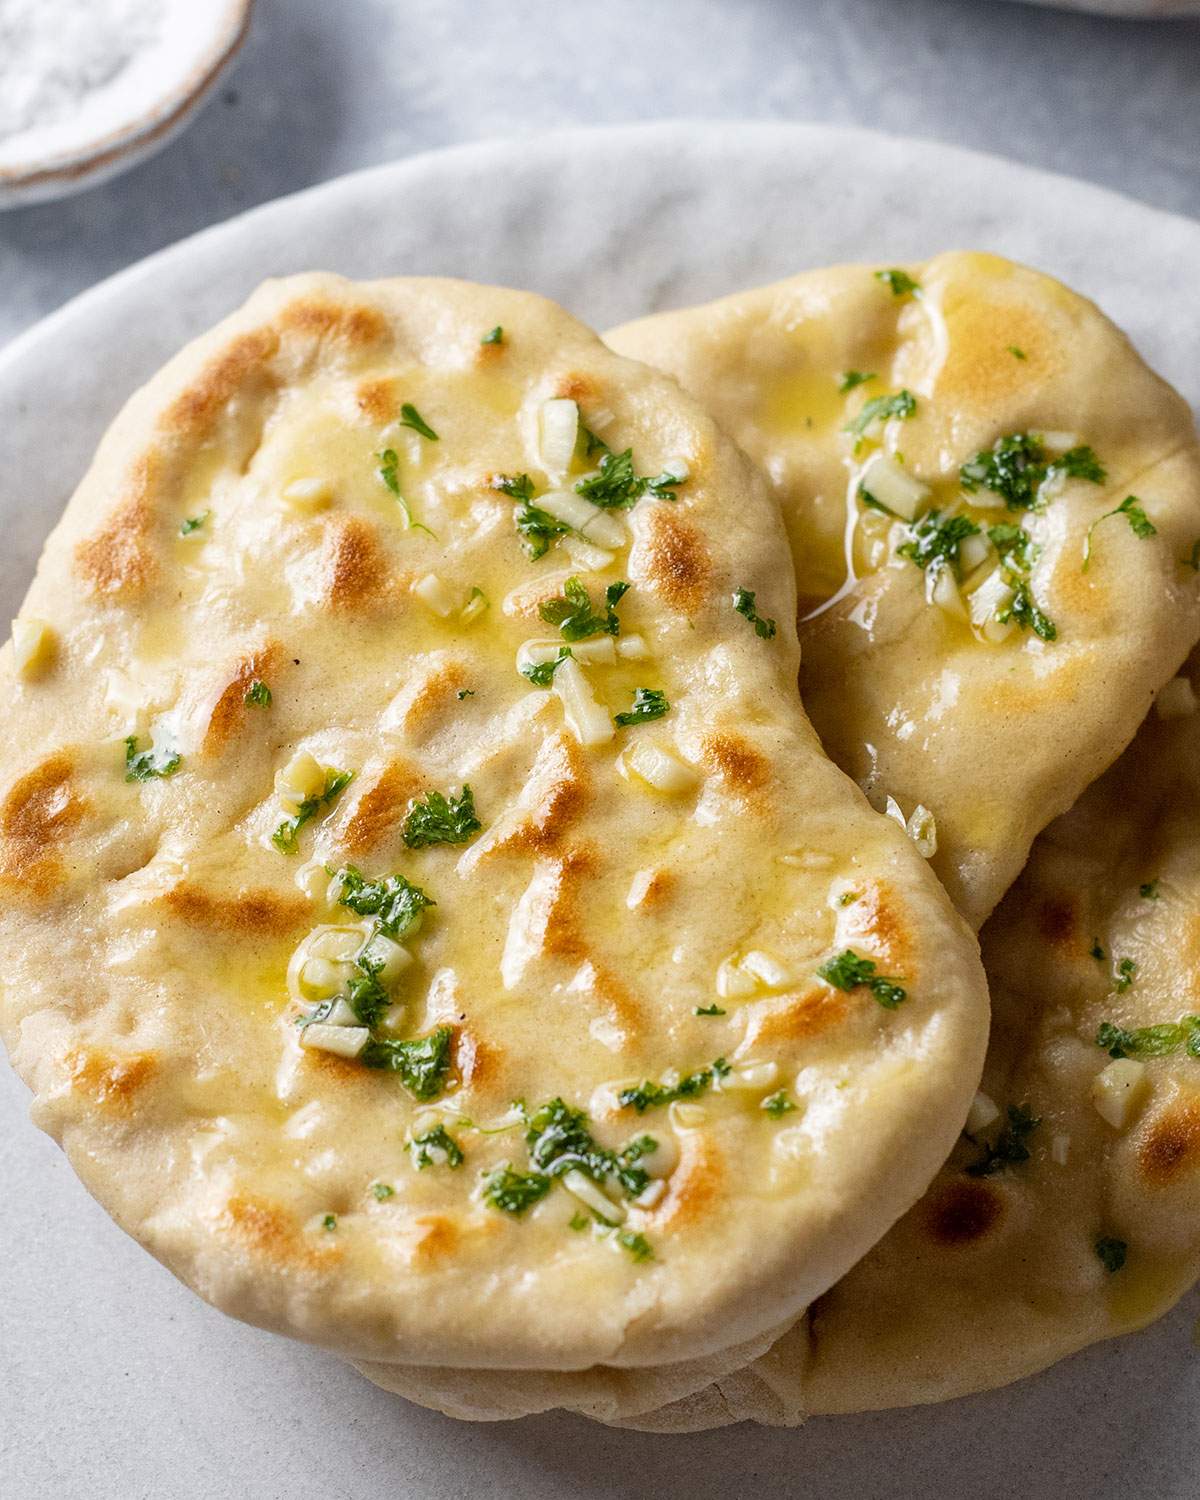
[993,506]
[431,926]
[1070,1211]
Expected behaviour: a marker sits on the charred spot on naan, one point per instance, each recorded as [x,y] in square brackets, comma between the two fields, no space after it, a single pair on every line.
[980,371]
[37,817]
[356,327]
[354,573]
[243,363]
[271,1232]
[111,1081]
[877,914]
[376,399]
[554,796]
[431,694]
[676,562]
[249,913]
[961,1212]
[380,807]
[793,1018]
[742,767]
[1169,1148]
[119,558]
[1058,921]
[230,711]
[695,1185]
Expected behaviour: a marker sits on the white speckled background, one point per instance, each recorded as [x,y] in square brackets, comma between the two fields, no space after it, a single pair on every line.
[116,1381]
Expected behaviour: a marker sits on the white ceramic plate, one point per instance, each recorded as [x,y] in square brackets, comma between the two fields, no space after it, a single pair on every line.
[117,1381]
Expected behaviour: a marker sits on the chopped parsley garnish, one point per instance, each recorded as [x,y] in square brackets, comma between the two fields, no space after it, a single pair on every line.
[649,1095]
[193,523]
[559,1141]
[145,765]
[637,1244]
[1024,610]
[365,994]
[395,903]
[900,282]
[1009,1146]
[572,611]
[382,1191]
[389,473]
[538,527]
[1139,523]
[411,417]
[438,820]
[709,1010]
[285,837]
[778,1104]
[900,404]
[329,1221]
[1015,352]
[578,1221]
[258,694]
[1192,560]
[648,704]
[1014,544]
[514,1192]
[465,693]
[743,602]
[1149,891]
[936,539]
[1126,969]
[1151,1041]
[1112,1253]
[493,336]
[1097,951]
[435,1148]
[853,378]
[1016,468]
[591,443]
[541,673]
[617,487]
[422,1062]
[848,971]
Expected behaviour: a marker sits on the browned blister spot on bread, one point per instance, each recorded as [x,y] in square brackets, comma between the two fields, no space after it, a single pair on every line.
[879,915]
[677,562]
[110,1080]
[230,710]
[793,1018]
[352,324]
[269,1231]
[1170,1145]
[253,912]
[577,388]
[36,819]
[353,570]
[1058,921]
[554,797]
[979,370]
[742,768]
[961,1212]
[245,360]
[695,1185]
[376,399]
[478,1063]
[118,558]
[428,696]
[380,808]
[436,1238]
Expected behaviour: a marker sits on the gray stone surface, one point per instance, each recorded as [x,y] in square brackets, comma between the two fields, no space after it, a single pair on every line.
[324,86]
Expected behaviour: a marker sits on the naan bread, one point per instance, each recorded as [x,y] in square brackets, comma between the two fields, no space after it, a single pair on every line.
[276,636]
[995,1275]
[925,675]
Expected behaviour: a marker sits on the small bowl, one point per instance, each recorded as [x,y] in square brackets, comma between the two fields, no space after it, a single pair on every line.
[181,71]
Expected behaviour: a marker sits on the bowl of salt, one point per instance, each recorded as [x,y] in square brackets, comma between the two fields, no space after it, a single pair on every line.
[90,87]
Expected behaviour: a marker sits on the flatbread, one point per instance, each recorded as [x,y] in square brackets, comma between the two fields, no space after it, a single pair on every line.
[301,553]
[992,737]
[992,1277]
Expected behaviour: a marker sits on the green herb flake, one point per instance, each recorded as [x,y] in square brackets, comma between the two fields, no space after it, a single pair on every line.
[935,539]
[541,673]
[1149,891]
[1126,969]
[1151,1041]
[709,1010]
[618,487]
[493,336]
[151,764]
[848,971]
[329,1222]
[514,1192]
[853,378]
[560,1141]
[1023,608]
[396,904]
[436,1148]
[193,523]
[578,1221]
[1097,951]
[648,1095]
[389,473]
[537,527]
[1111,1253]
[572,611]
[1014,544]
[411,417]
[648,704]
[1016,468]
[258,694]
[440,820]
[1015,352]
[637,1245]
[743,602]
[778,1104]
[1192,560]
[1009,1147]
[382,1191]
[900,282]
[422,1062]
[901,404]
[286,836]
[465,693]
[1139,523]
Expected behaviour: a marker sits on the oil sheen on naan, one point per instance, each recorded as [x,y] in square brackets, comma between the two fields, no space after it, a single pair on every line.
[1071,1211]
[431,926]
[992,504]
